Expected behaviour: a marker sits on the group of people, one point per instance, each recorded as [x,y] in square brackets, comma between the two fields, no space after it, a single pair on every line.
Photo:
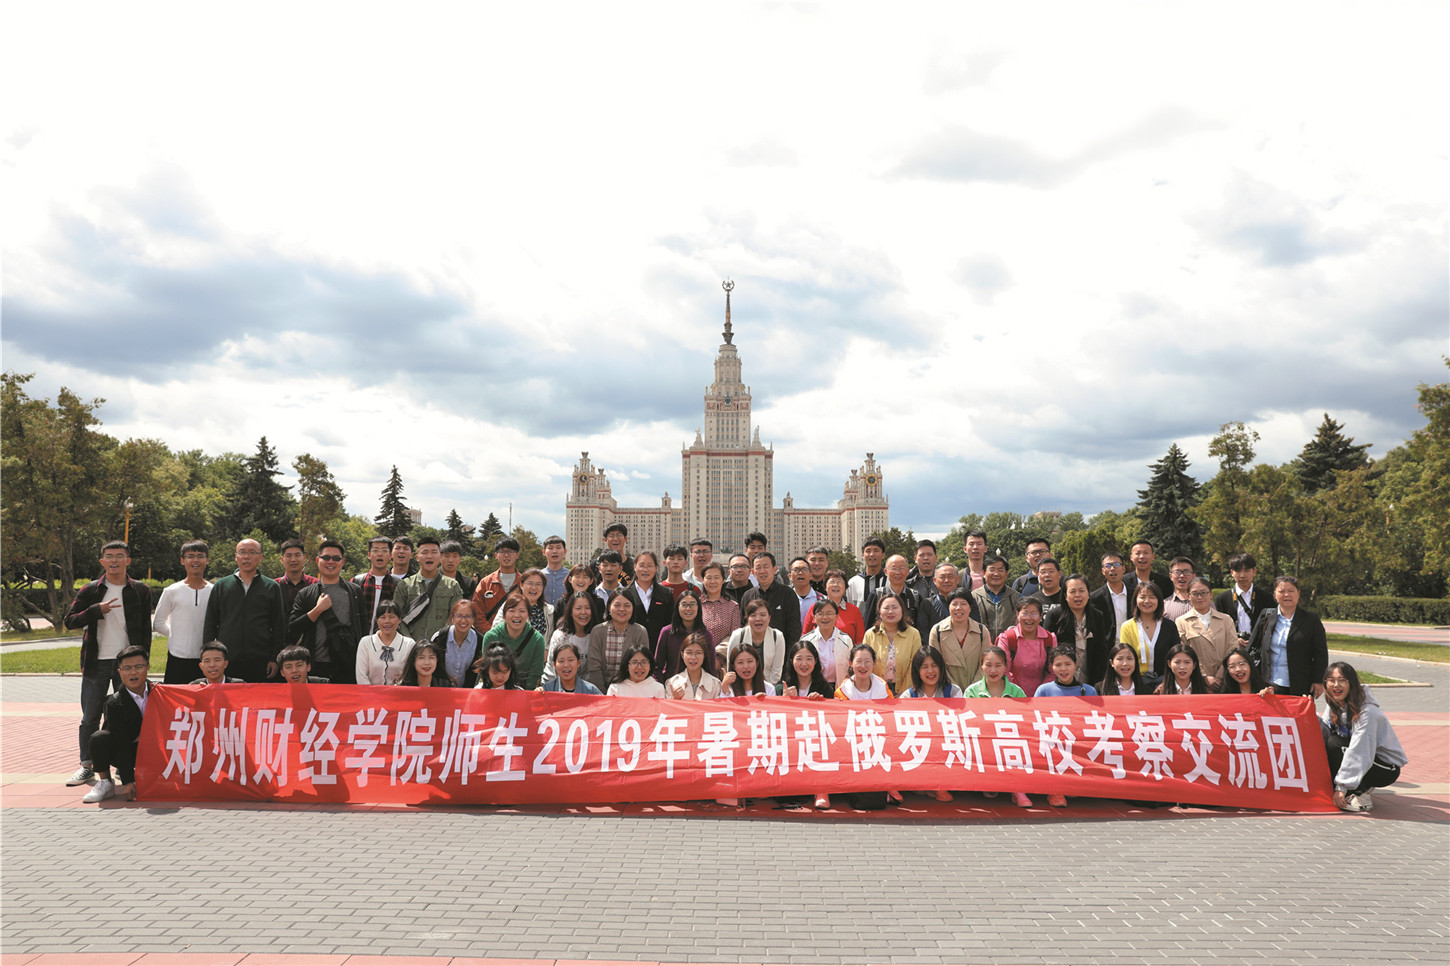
[682,625]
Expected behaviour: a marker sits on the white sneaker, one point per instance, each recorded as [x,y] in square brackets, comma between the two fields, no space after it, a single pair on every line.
[1365,801]
[83,776]
[103,790]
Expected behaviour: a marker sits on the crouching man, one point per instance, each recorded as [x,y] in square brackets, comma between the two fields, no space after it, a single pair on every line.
[114,745]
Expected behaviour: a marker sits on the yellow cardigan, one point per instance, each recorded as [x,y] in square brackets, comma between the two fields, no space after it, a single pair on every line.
[908,642]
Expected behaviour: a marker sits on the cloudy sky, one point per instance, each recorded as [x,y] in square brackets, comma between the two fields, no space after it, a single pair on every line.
[1015,252]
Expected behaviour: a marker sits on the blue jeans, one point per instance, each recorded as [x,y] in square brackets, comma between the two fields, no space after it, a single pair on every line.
[96,684]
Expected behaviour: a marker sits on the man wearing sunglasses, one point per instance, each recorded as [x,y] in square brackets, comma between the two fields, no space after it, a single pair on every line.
[327,618]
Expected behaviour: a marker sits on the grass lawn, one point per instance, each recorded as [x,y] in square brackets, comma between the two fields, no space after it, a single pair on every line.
[1435,653]
[67,660]
[1369,677]
[37,635]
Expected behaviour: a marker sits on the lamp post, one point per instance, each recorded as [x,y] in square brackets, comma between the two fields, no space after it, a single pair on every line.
[126,535]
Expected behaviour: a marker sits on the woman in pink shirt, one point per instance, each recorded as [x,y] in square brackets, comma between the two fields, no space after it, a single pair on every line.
[1027,644]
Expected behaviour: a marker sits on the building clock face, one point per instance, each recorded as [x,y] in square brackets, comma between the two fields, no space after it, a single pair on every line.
[870,479]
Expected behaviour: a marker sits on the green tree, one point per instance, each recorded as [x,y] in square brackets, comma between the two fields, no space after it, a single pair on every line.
[1081,551]
[55,506]
[489,531]
[898,542]
[259,501]
[1220,514]
[1166,505]
[319,501]
[1330,451]
[392,518]
[1427,499]
[844,561]
[531,553]
[456,529]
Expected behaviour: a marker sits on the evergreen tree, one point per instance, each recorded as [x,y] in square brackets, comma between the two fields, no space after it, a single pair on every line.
[319,500]
[490,531]
[1328,451]
[1165,506]
[259,502]
[453,525]
[392,518]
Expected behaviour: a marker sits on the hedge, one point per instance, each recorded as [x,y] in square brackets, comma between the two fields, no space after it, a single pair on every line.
[1384,610]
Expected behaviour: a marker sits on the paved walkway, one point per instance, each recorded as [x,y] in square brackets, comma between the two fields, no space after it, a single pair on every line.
[1391,632]
[976,881]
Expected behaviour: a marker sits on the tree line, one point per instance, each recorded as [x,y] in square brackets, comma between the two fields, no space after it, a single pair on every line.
[1343,523]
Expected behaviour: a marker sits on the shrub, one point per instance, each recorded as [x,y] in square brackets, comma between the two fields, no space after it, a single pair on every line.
[1384,610]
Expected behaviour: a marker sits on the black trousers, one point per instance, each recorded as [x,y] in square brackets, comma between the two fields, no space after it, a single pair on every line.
[251,670]
[181,670]
[1378,775]
[107,752]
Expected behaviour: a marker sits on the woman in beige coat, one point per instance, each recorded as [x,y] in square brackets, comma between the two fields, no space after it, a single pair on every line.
[1211,633]
[961,640]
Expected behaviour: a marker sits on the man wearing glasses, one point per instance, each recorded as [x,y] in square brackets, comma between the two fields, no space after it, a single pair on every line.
[116,614]
[328,616]
[739,583]
[1112,596]
[1037,551]
[1180,571]
[245,613]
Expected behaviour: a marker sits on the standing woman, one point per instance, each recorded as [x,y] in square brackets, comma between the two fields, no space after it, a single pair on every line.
[720,614]
[460,643]
[833,646]
[768,642]
[1088,629]
[1184,676]
[1148,633]
[1212,634]
[685,624]
[541,615]
[577,620]
[960,639]
[848,616]
[608,641]
[1364,753]
[1289,645]
[1026,644]
[894,642]
[519,636]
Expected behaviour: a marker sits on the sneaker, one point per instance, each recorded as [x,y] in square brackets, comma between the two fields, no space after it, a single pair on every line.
[1359,803]
[83,776]
[103,790]
[1057,801]
[1021,800]
[823,801]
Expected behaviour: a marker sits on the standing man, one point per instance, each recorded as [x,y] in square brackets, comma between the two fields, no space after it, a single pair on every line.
[181,615]
[1049,587]
[819,560]
[616,536]
[402,557]
[1243,602]
[674,577]
[785,614]
[741,581]
[611,577]
[492,589]
[702,551]
[1141,556]
[860,587]
[450,555]
[1180,572]
[1038,549]
[377,584]
[245,613]
[556,570]
[116,614]
[328,617]
[1112,597]
[936,608]
[800,582]
[922,578]
[895,570]
[996,602]
[973,575]
[426,599]
[293,579]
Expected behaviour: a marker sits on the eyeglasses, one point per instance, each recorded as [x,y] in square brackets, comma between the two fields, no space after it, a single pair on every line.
[1200,593]
[330,558]
[1112,566]
[1180,573]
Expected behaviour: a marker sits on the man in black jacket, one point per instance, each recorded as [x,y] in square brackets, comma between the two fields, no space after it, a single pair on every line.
[327,618]
[116,613]
[116,742]
[1244,602]
[785,613]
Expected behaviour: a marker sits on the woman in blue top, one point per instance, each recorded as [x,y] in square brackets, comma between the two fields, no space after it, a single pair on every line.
[566,680]
[929,680]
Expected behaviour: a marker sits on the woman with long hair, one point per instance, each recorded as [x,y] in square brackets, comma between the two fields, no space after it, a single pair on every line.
[1363,752]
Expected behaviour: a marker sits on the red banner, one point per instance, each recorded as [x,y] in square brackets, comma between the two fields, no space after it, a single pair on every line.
[336,743]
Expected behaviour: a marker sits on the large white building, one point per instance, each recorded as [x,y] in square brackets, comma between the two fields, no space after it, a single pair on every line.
[728,488]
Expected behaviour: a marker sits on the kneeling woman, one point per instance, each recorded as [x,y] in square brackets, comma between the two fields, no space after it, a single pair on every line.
[566,663]
[1363,751]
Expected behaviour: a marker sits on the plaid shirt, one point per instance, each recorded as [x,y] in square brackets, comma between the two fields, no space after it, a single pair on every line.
[613,647]
[369,585]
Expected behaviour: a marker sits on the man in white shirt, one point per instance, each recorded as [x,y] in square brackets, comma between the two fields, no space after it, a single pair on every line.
[860,587]
[1243,602]
[181,614]
[800,581]
[1112,596]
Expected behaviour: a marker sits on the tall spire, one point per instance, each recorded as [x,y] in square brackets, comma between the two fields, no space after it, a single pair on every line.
[729,287]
